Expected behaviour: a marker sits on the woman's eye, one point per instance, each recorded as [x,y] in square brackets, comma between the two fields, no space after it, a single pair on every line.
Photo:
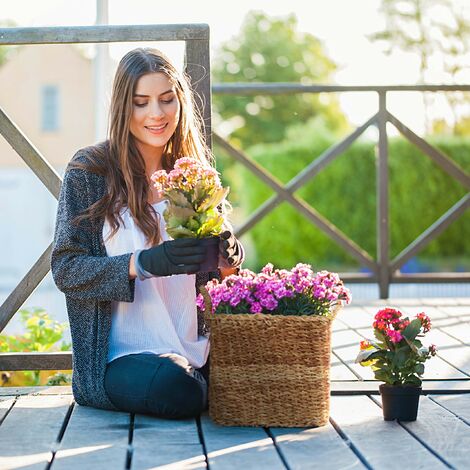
[140,105]
[168,101]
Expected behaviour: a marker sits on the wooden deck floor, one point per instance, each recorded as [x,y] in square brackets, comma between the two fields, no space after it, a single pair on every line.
[43,428]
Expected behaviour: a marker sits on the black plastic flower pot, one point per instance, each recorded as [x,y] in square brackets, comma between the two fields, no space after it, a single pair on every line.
[211,257]
[400,402]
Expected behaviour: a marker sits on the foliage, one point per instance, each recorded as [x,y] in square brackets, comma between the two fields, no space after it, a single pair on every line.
[397,357]
[270,49]
[435,30]
[299,291]
[193,193]
[42,335]
[345,193]
[5,51]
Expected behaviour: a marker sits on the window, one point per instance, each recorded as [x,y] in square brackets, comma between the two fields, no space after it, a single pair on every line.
[50,108]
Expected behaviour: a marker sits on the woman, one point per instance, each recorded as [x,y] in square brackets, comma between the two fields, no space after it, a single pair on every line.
[138,345]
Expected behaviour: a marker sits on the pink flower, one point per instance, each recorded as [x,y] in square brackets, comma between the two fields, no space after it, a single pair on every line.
[273,290]
[394,336]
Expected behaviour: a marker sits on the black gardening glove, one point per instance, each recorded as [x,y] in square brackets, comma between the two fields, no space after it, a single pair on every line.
[181,256]
[231,253]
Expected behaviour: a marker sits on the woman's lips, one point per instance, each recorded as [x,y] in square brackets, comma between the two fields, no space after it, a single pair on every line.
[156,129]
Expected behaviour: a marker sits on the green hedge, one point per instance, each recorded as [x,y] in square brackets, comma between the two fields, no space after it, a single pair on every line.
[344,192]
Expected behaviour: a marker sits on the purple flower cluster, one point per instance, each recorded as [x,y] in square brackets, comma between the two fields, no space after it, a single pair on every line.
[299,291]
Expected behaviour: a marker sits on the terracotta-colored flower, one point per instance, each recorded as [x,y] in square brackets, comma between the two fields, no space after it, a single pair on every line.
[425,321]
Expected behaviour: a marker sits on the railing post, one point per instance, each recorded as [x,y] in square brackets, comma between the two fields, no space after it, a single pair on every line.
[197,65]
[382,200]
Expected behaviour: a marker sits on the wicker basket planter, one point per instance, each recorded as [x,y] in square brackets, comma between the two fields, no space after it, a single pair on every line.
[270,370]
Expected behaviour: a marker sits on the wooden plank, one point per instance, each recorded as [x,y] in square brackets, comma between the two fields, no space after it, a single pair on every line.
[166,443]
[357,317]
[93,439]
[443,432]
[286,88]
[339,371]
[345,344]
[103,33]
[29,432]
[383,444]
[450,349]
[238,447]
[382,212]
[61,360]
[6,403]
[314,448]
[362,387]
[460,331]
[42,390]
[457,404]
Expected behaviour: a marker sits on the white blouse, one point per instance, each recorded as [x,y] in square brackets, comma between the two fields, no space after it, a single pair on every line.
[163,317]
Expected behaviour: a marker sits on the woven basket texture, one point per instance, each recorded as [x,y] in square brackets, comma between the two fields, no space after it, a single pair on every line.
[269,370]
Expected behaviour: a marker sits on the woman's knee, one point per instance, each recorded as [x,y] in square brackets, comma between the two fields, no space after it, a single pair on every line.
[176,392]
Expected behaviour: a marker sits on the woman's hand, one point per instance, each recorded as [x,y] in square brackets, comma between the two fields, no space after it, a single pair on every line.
[231,253]
[181,256]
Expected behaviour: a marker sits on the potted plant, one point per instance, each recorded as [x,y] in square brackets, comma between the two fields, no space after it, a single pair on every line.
[194,194]
[397,358]
[270,345]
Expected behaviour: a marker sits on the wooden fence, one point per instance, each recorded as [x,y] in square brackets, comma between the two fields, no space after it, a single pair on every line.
[196,37]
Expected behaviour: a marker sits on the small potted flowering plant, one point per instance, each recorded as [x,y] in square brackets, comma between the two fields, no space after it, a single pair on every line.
[270,345]
[194,194]
[397,358]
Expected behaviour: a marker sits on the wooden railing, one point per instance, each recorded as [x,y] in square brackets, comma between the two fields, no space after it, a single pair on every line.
[196,38]
[197,66]
[384,270]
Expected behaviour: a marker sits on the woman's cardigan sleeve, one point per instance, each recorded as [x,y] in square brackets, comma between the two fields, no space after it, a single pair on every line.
[79,264]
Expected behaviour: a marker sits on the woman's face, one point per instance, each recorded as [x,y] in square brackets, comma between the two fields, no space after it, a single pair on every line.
[155,113]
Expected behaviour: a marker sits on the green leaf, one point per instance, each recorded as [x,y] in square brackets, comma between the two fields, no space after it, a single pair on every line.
[364,354]
[212,226]
[419,369]
[213,200]
[178,199]
[180,232]
[380,337]
[412,330]
[382,375]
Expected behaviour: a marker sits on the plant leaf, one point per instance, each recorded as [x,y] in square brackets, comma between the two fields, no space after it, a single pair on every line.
[412,330]
[178,198]
[180,232]
[213,199]
[364,354]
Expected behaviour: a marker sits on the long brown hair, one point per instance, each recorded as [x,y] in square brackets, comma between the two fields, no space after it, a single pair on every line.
[119,159]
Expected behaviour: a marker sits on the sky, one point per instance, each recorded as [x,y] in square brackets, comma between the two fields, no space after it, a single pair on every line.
[342,25]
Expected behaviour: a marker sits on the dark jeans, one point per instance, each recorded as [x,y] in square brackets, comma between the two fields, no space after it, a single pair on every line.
[166,385]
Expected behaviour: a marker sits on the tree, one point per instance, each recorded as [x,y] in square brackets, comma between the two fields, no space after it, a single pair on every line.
[273,50]
[455,46]
[428,28]
[6,50]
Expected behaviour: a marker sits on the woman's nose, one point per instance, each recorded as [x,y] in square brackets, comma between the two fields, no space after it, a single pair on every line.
[155,110]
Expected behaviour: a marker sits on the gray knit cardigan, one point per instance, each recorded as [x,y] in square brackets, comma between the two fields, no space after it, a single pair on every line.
[90,280]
